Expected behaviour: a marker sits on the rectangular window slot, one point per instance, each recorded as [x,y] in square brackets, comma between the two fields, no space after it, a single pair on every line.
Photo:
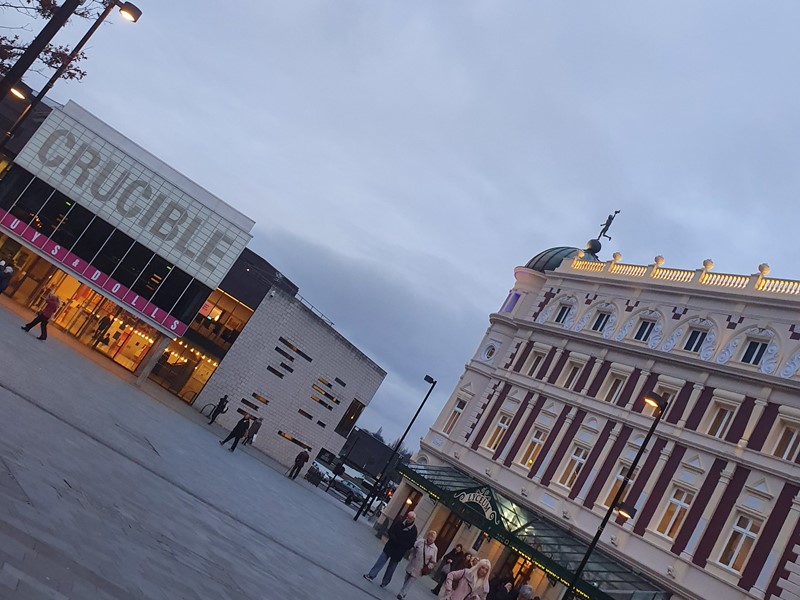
[287,367]
[274,371]
[305,414]
[294,348]
[294,440]
[284,353]
[322,402]
[754,352]
[252,405]
[325,382]
[340,382]
[260,398]
[325,393]
[321,424]
[563,311]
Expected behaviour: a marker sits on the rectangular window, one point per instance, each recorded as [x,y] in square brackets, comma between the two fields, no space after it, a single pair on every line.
[500,428]
[740,542]
[618,482]
[723,415]
[754,352]
[190,302]
[535,444]
[532,364]
[675,512]
[511,302]
[645,329]
[349,418]
[453,418]
[72,226]
[260,398]
[305,414]
[294,440]
[788,443]
[562,313]
[614,388]
[600,321]
[112,252]
[695,339]
[573,370]
[574,466]
[274,371]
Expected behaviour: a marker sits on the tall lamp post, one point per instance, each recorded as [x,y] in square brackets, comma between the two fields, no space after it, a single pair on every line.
[377,488]
[127,9]
[621,508]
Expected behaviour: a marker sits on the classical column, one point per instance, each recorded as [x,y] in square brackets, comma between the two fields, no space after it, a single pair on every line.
[643,375]
[612,436]
[553,363]
[556,443]
[595,368]
[755,416]
[710,508]
[697,389]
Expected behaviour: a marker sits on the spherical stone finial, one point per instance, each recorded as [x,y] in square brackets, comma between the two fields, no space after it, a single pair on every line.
[594,246]
[708,264]
[764,269]
[617,256]
[660,260]
[580,254]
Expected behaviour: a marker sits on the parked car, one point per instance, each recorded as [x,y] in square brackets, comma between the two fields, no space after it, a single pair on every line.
[349,489]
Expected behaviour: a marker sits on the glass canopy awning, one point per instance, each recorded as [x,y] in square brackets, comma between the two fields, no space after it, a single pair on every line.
[551,548]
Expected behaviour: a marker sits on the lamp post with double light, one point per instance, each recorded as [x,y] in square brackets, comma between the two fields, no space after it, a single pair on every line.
[623,509]
[128,10]
[377,489]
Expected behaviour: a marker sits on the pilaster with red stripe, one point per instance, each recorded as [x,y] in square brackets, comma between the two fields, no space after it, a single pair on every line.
[566,442]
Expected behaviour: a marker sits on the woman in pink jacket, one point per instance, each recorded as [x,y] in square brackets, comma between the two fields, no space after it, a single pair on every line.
[468,584]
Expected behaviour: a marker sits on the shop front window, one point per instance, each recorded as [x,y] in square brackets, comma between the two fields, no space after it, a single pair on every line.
[184,369]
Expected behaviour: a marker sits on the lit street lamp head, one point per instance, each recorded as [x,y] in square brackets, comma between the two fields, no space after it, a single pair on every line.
[656,401]
[625,510]
[18,93]
[130,11]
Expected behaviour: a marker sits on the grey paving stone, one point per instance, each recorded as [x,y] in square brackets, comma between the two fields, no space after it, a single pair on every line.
[114,493]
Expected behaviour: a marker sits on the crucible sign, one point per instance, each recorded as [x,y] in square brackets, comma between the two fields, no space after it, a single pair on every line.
[134,198]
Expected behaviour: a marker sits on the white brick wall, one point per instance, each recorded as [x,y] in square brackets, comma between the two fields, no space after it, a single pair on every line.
[244,371]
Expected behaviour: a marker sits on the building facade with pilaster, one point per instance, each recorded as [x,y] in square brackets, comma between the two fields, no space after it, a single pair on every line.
[549,414]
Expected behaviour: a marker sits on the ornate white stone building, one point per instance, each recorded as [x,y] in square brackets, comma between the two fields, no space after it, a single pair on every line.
[533,443]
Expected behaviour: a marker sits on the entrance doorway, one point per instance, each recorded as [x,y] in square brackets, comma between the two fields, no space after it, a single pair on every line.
[447,532]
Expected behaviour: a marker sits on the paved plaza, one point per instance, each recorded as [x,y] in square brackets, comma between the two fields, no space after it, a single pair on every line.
[111,493]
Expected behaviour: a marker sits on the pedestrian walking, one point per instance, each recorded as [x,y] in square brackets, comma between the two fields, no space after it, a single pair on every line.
[5,277]
[220,408]
[50,307]
[236,434]
[468,584]
[402,536]
[252,432]
[525,592]
[452,561]
[423,558]
[299,460]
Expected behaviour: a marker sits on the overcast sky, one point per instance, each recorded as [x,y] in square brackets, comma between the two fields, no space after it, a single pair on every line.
[401,157]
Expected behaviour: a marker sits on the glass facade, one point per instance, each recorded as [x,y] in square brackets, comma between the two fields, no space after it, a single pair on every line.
[86,236]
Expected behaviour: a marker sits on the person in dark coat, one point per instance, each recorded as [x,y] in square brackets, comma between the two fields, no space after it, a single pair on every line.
[221,407]
[452,561]
[5,277]
[299,460]
[238,432]
[402,536]
[251,433]
[50,307]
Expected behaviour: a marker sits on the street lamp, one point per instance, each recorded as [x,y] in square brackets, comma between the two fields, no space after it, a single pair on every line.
[128,10]
[623,509]
[384,478]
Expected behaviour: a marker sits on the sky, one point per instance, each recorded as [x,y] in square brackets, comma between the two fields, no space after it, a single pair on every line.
[401,157]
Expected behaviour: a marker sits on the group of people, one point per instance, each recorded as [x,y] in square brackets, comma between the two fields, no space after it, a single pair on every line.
[464,577]
[246,430]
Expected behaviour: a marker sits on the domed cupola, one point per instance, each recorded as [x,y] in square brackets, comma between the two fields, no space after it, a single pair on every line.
[551,258]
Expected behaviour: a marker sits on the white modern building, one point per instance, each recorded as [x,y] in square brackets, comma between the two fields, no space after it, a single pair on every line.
[291,368]
[529,451]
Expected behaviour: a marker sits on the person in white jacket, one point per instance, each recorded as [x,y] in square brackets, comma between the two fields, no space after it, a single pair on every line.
[423,558]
